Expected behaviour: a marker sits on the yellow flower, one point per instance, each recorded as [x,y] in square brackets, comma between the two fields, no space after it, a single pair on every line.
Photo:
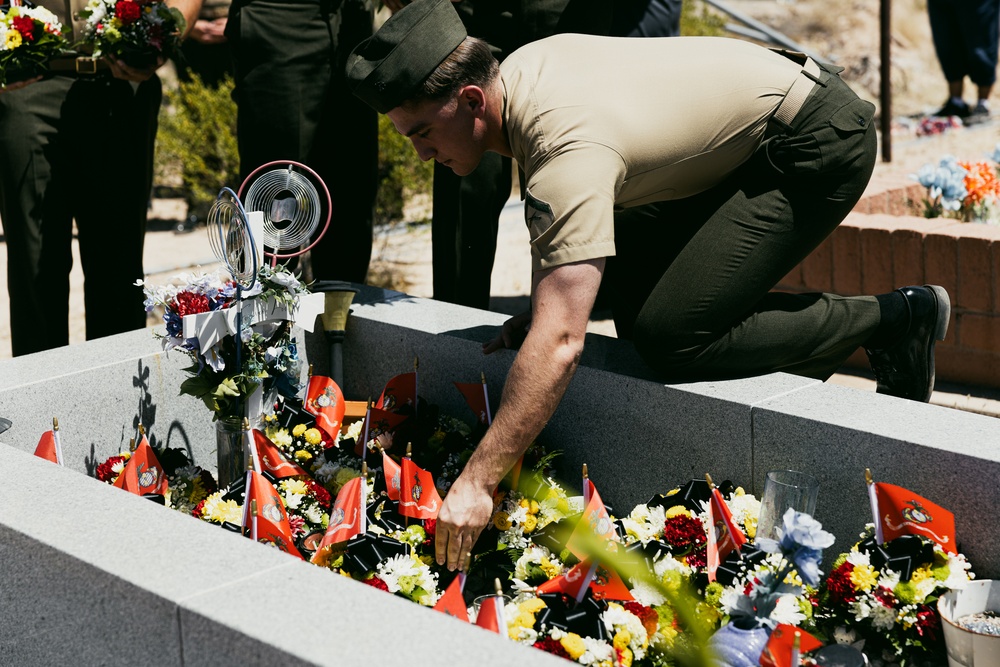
[299,430]
[622,639]
[625,658]
[302,455]
[530,523]
[296,486]
[751,527]
[920,574]
[524,620]
[677,510]
[532,605]
[534,507]
[550,569]
[525,503]
[573,644]
[313,436]
[501,520]
[739,491]
[863,577]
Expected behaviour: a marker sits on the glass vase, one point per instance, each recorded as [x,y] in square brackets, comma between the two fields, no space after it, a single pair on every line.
[229,450]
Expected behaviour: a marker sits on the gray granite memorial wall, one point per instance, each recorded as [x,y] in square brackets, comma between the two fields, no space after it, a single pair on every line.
[93,575]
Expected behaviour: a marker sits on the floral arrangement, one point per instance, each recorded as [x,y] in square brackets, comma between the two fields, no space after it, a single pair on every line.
[226,373]
[663,608]
[963,190]
[29,38]
[894,619]
[139,32]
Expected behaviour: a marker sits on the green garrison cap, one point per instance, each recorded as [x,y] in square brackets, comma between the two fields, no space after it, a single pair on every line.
[388,67]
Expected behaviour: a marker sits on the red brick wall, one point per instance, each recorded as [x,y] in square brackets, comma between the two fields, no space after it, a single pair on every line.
[880,247]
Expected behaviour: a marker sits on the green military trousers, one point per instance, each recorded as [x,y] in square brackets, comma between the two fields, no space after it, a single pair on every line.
[692,277]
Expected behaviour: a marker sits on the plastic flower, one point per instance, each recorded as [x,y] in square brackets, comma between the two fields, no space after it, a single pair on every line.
[802,541]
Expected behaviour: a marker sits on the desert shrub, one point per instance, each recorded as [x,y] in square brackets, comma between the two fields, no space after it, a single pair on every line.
[197,138]
[697,19]
[401,173]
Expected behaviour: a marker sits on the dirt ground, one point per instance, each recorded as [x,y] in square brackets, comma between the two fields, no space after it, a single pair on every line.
[845,32]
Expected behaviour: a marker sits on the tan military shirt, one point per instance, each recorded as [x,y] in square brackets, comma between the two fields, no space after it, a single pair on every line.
[600,123]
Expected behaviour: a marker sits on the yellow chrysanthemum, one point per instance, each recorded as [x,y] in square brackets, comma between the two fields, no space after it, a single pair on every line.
[863,577]
[750,525]
[532,605]
[525,503]
[622,639]
[550,569]
[302,455]
[573,644]
[296,486]
[502,520]
[625,658]
[530,523]
[524,620]
[299,430]
[920,574]
[677,510]
[534,507]
[313,436]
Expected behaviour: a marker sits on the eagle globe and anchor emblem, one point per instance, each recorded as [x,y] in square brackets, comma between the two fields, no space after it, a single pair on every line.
[326,399]
[337,517]
[416,491]
[148,477]
[272,510]
[916,513]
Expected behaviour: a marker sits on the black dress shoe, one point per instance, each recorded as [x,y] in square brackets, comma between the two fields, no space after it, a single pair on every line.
[906,368]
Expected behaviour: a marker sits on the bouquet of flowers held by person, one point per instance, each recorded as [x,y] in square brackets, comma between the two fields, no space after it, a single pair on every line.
[138,32]
[228,370]
[29,37]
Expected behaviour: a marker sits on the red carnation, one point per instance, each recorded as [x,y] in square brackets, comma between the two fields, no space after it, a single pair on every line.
[127,11]
[104,470]
[928,622]
[196,512]
[321,495]
[840,586]
[375,582]
[885,596]
[550,645]
[188,303]
[650,619]
[683,531]
[25,26]
[697,558]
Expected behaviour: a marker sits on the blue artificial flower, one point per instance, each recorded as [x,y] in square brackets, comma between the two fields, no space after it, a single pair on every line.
[945,182]
[802,542]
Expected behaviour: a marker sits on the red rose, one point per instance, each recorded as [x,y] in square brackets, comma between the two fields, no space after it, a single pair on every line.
[127,11]
[375,582]
[25,26]
[550,645]
[188,303]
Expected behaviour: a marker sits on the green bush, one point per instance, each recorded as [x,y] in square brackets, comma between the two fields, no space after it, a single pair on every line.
[197,138]
[700,23]
[401,173]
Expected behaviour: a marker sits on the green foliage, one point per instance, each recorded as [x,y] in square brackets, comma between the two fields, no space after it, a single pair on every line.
[700,23]
[401,173]
[197,137]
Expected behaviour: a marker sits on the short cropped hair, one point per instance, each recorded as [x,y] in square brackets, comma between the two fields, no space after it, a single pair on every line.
[470,64]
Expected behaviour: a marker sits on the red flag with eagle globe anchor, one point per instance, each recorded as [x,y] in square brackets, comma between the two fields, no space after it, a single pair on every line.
[379,422]
[451,602]
[724,536]
[143,473]
[491,615]
[48,447]
[902,512]
[272,460]
[347,518]
[399,391]
[272,519]
[475,396]
[595,520]
[781,645]
[418,497]
[393,474]
[325,400]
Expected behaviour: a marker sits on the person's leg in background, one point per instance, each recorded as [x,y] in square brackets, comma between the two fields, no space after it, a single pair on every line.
[36,215]
[111,229]
[949,38]
[981,25]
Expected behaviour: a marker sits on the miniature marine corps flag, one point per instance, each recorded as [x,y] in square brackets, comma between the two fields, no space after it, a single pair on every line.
[272,460]
[269,523]
[902,512]
[607,584]
[490,616]
[377,422]
[574,583]
[393,474]
[724,536]
[143,473]
[347,517]
[595,520]
[479,401]
[418,497]
[49,445]
[452,603]
[399,391]
[786,645]
[325,400]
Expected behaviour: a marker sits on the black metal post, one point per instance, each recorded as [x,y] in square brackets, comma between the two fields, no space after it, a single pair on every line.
[885,23]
